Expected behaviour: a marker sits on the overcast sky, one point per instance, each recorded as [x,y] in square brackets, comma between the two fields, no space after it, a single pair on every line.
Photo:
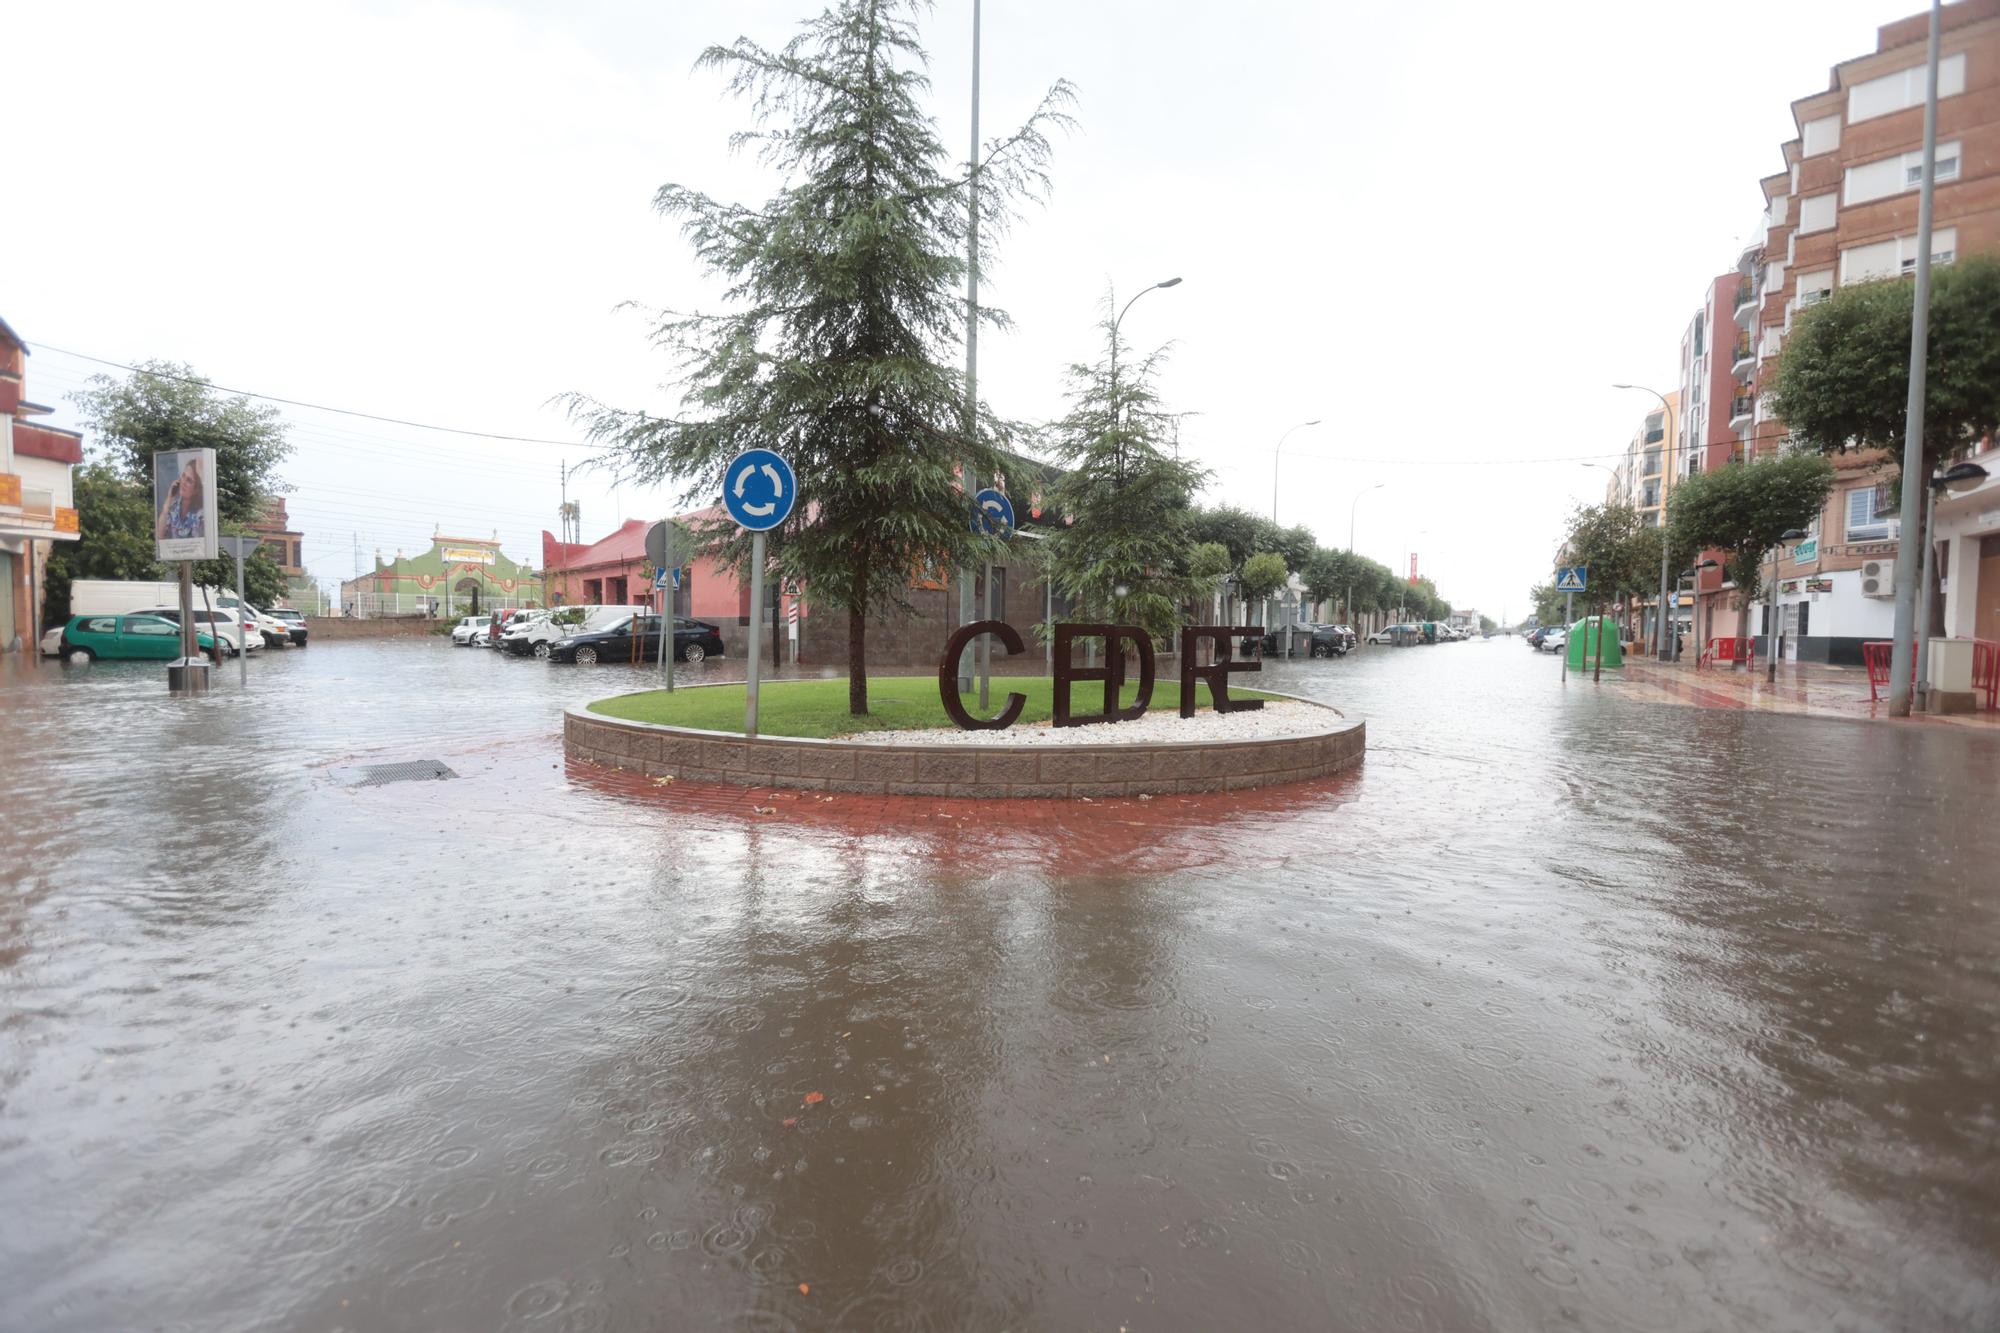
[1445,229]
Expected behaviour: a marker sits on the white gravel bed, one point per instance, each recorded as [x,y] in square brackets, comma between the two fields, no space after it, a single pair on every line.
[1278,718]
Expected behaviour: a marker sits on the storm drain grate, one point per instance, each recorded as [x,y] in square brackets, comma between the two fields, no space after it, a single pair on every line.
[381,775]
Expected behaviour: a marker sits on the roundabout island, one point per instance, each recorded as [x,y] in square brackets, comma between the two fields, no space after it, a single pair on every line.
[908,744]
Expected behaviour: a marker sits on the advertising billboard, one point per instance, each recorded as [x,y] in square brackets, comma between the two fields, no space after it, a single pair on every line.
[185,521]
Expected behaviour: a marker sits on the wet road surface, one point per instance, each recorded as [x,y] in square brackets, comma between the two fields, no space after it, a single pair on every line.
[1566,1011]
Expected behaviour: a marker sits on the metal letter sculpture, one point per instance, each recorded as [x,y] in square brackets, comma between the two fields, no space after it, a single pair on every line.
[1216,673]
[1010,639]
[1112,673]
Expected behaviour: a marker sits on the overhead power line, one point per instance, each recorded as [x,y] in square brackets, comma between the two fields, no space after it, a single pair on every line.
[316,407]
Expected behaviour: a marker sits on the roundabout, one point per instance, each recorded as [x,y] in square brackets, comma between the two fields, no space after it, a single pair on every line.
[907,746]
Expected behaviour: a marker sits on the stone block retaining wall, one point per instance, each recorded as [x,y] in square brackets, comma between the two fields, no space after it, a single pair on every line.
[959,770]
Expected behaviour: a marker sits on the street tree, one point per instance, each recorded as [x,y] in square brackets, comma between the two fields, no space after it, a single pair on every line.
[162,405]
[1122,556]
[1744,509]
[843,318]
[1238,531]
[1262,574]
[1843,379]
[1208,564]
[1325,574]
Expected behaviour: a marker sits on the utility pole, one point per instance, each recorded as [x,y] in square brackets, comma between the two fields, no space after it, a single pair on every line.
[1916,477]
[971,345]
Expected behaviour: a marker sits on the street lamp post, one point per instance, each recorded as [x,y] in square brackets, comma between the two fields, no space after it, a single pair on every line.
[1350,551]
[1275,455]
[1774,640]
[1117,409]
[1666,653]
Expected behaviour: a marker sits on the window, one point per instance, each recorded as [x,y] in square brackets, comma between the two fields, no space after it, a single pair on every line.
[1904,88]
[1819,136]
[1894,175]
[1884,259]
[1656,431]
[101,625]
[148,625]
[1815,287]
[1937,257]
[1818,213]
[1947,169]
[1697,331]
[1869,517]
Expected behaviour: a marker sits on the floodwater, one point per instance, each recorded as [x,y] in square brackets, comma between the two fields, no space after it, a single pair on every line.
[1565,1011]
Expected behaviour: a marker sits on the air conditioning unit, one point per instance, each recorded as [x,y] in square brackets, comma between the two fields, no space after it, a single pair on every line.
[1878,578]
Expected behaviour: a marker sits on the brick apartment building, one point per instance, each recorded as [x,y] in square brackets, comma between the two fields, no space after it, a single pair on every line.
[1844,210]
[1642,479]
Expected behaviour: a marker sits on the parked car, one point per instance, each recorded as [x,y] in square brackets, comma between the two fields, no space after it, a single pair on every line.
[636,638]
[1345,631]
[224,625]
[52,641]
[469,630]
[1533,638]
[1307,641]
[276,633]
[1554,641]
[533,636]
[135,638]
[293,621]
[502,620]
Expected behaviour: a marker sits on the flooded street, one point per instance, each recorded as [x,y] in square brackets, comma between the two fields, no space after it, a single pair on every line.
[1565,1011]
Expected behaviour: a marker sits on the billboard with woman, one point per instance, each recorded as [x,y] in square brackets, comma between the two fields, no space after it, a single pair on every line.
[184,517]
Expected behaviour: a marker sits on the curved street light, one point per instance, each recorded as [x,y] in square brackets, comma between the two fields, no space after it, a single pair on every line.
[1276,454]
[1117,408]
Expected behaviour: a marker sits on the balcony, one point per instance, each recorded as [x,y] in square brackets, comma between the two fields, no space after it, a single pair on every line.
[1742,356]
[1746,303]
[1742,411]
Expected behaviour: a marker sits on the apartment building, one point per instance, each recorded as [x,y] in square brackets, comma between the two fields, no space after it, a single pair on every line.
[1844,211]
[1646,471]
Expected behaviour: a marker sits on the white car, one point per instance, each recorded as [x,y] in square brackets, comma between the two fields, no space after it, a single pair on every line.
[223,624]
[52,642]
[470,631]
[276,633]
[539,632]
[1554,641]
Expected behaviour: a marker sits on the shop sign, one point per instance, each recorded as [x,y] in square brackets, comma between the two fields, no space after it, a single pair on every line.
[1819,585]
[1806,550]
[468,555]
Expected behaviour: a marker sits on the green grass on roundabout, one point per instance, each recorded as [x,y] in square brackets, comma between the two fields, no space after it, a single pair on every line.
[818,708]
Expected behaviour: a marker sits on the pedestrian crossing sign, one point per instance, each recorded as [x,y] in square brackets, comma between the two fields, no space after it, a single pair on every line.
[1572,578]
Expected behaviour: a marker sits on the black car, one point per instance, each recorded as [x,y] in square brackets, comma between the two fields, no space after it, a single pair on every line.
[637,639]
[1307,641]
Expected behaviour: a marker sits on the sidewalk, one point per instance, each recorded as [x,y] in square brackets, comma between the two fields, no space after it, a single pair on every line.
[1808,688]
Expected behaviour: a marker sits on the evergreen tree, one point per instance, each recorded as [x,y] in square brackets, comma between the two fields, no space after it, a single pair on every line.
[1123,554]
[844,318]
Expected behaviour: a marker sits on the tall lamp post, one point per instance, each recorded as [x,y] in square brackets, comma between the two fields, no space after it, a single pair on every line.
[1775,638]
[1275,455]
[1350,550]
[1663,644]
[1117,409]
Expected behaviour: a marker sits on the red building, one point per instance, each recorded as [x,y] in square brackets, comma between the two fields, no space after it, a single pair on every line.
[614,571]
[37,509]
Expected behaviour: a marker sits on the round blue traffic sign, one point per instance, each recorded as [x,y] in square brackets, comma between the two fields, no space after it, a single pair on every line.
[993,514]
[758,489]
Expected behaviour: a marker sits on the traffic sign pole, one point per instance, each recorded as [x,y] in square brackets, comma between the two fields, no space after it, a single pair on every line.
[756,635]
[986,645]
[660,567]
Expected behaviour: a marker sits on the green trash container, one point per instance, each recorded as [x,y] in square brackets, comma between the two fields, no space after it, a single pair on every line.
[1593,634]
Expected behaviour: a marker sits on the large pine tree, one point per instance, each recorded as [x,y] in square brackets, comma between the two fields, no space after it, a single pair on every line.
[1121,556]
[845,316]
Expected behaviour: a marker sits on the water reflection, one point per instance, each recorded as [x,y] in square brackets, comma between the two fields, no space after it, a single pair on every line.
[1565,1010]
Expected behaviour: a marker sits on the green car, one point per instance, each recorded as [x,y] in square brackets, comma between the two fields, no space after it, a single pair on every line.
[125,638]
